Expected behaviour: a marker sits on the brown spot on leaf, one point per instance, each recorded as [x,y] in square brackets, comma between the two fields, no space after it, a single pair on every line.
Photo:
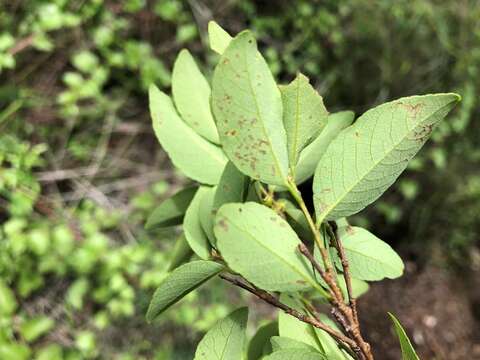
[223,224]
[350,230]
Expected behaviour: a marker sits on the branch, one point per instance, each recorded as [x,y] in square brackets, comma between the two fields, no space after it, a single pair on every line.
[346,271]
[272,300]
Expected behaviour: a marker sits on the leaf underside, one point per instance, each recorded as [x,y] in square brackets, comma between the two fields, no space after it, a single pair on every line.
[226,339]
[247,106]
[200,160]
[180,282]
[366,158]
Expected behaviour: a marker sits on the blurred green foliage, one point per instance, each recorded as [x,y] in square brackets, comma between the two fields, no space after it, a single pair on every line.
[73,284]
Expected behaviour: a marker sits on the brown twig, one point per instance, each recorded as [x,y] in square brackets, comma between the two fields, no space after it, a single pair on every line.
[353,319]
[346,271]
[272,300]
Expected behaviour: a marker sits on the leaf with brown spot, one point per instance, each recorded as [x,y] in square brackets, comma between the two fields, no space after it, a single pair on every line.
[261,250]
[248,112]
[367,157]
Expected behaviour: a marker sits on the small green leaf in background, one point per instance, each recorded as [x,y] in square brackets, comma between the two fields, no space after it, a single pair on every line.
[34,328]
[225,341]
[367,157]
[260,344]
[179,283]
[14,351]
[172,210]
[8,303]
[50,352]
[304,115]
[408,352]
[295,354]
[258,244]
[218,37]
[311,155]
[191,94]
[192,227]
[196,157]
[247,106]
[282,342]
[181,253]
[369,257]
[206,214]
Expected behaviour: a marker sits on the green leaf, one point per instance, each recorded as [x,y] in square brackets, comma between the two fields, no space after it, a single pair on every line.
[13,351]
[282,342]
[191,94]
[34,328]
[359,287]
[225,341]
[366,158]
[247,106]
[260,343]
[297,219]
[311,155]
[192,227]
[181,253]
[179,283]
[262,247]
[304,115]
[328,344]
[207,214]
[408,352]
[290,327]
[8,303]
[218,37]
[200,160]
[369,257]
[295,354]
[231,188]
[172,210]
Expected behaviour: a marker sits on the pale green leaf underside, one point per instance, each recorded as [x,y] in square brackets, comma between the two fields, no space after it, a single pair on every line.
[408,352]
[192,227]
[226,339]
[171,211]
[311,155]
[196,157]
[330,347]
[231,188]
[366,158]
[304,115]
[181,253]
[282,342]
[206,214]
[247,106]
[262,247]
[295,354]
[191,94]
[218,37]
[369,257]
[179,283]
[290,327]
